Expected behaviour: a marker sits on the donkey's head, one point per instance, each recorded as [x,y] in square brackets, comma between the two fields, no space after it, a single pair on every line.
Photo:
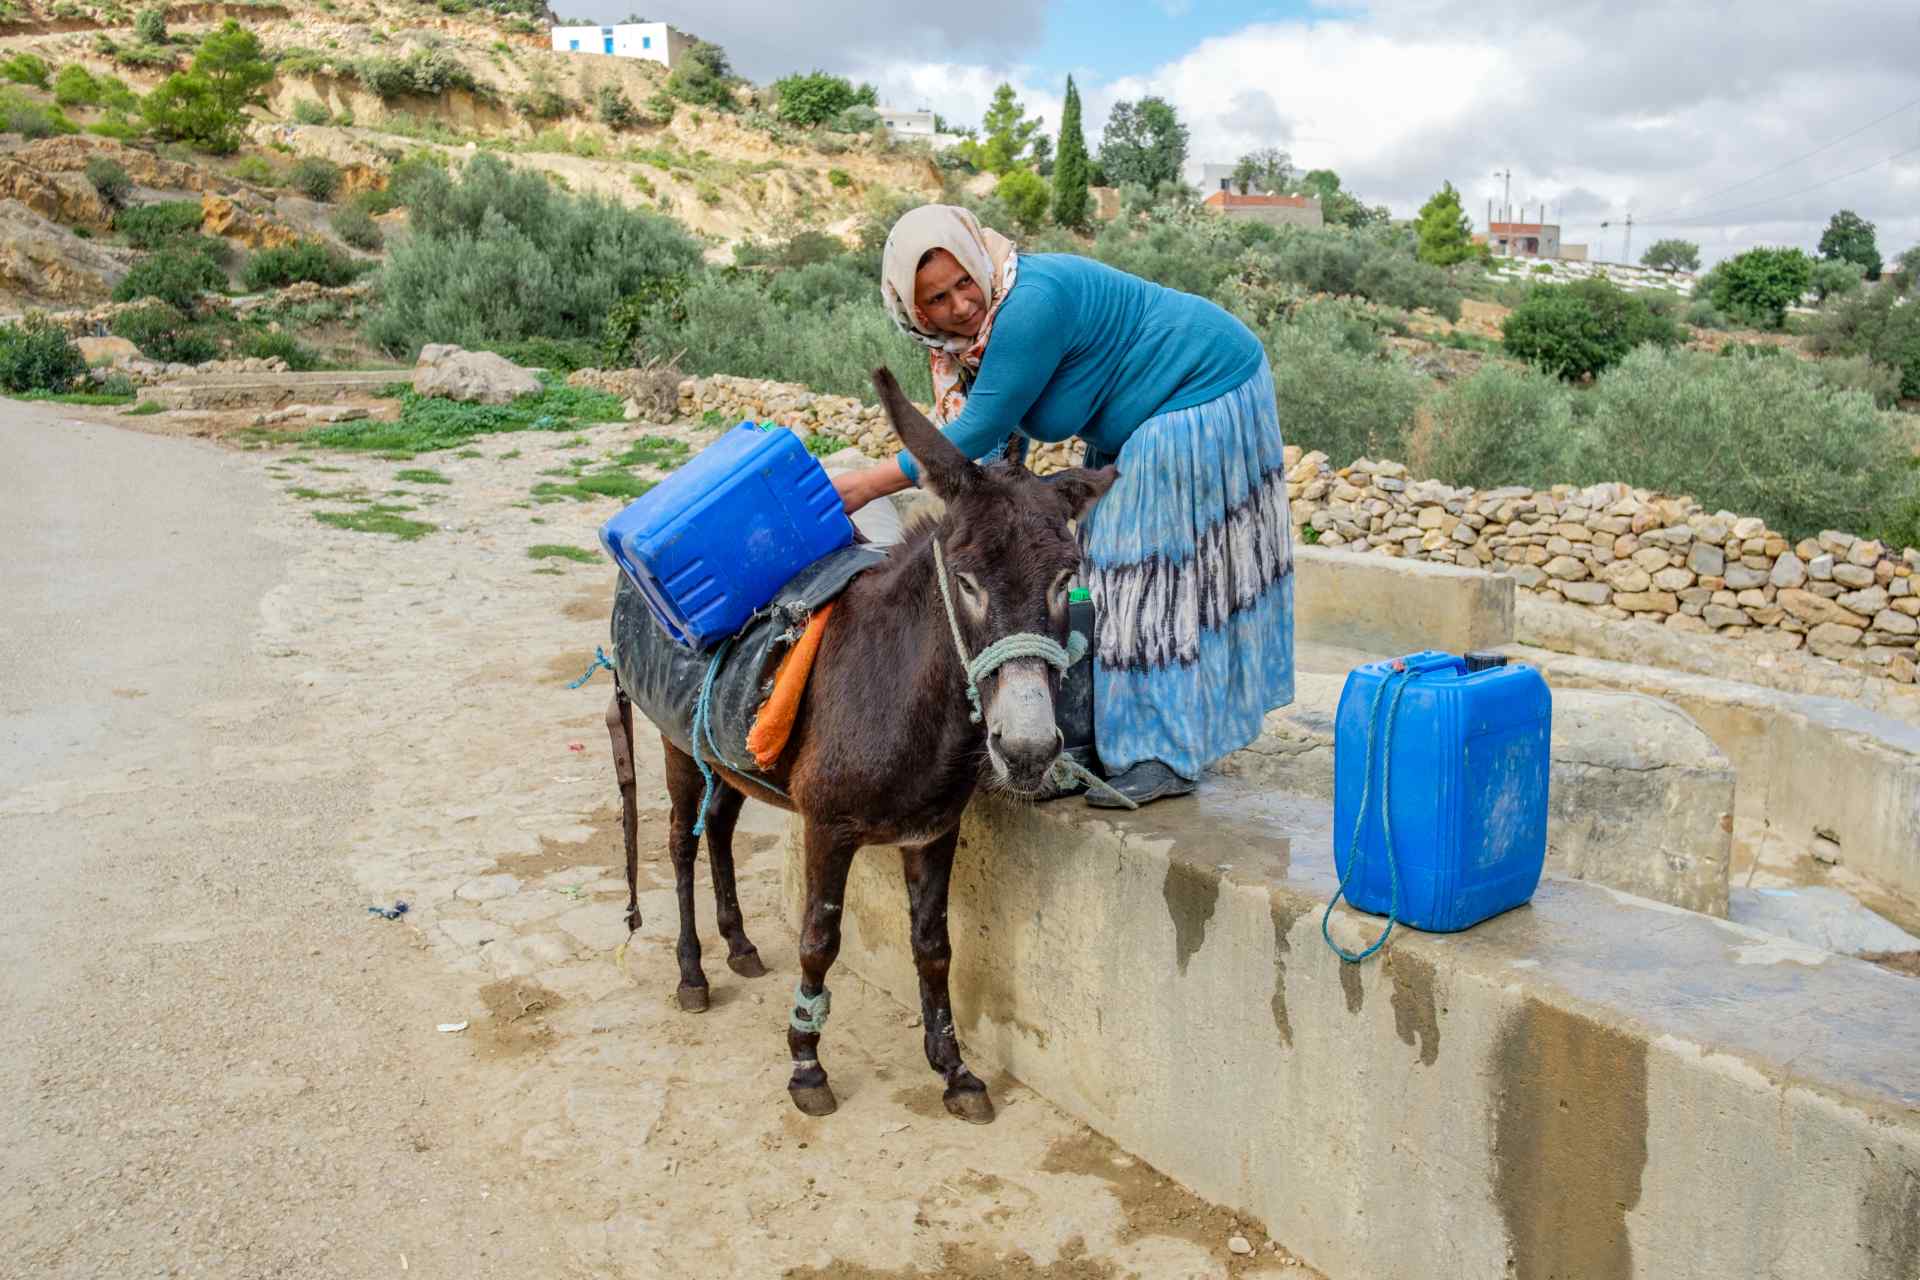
[1009,556]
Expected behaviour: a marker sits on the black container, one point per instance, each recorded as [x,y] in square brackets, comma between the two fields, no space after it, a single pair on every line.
[1074,710]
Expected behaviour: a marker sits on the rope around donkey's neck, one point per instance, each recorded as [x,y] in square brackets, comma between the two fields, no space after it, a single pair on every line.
[1022,644]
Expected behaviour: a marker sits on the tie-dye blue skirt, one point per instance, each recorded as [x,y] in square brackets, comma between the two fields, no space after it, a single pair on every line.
[1190,561]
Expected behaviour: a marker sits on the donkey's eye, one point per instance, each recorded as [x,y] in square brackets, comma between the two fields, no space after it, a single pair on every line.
[1057,594]
[969,585]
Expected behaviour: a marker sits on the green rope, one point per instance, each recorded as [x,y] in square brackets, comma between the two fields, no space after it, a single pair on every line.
[810,1012]
[1024,644]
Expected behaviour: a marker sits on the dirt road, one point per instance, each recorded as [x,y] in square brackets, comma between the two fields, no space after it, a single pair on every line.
[226,730]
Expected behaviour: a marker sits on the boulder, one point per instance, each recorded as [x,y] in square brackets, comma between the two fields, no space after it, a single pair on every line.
[476,377]
[220,216]
[42,262]
[112,351]
[1640,799]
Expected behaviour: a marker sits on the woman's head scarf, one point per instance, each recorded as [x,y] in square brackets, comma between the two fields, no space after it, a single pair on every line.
[984,254]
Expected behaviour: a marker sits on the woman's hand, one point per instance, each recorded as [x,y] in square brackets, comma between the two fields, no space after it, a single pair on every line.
[858,488]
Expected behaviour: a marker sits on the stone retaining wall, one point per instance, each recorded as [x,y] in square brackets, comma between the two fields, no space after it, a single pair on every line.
[1622,553]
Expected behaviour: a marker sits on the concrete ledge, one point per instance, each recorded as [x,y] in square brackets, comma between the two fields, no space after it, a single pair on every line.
[1593,1086]
[1640,799]
[268,391]
[1388,605]
[1808,767]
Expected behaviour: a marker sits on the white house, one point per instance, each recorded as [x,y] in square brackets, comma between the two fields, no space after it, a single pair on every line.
[654,41]
[907,124]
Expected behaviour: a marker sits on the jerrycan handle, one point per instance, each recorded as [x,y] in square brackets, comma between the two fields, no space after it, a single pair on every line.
[1420,664]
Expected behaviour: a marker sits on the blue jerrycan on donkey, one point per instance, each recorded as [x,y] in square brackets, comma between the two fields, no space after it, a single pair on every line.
[1440,775]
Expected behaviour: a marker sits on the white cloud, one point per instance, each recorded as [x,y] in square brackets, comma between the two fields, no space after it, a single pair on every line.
[1599,108]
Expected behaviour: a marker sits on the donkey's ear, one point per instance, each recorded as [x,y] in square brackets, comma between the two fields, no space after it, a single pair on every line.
[1082,488]
[946,470]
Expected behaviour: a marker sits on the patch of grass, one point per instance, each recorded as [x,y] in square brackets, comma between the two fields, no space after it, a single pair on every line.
[536,519]
[659,452]
[822,445]
[144,408]
[713,419]
[329,495]
[340,471]
[429,423]
[376,519]
[469,453]
[293,458]
[75,397]
[509,455]
[421,475]
[597,484]
[558,551]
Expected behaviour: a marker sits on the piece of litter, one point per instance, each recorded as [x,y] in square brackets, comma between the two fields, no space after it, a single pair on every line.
[393,912]
[1239,1244]
[454,1026]
[576,746]
[893,1129]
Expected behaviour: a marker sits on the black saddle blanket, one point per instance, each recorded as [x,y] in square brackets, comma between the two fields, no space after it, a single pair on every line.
[664,677]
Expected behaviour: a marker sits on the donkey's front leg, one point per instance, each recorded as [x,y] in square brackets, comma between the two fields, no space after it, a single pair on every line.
[928,869]
[829,855]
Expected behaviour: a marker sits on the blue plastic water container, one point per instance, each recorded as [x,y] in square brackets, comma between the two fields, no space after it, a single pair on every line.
[715,540]
[1466,773]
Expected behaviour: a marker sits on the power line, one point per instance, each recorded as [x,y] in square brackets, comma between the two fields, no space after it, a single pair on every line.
[1825,182]
[1747,182]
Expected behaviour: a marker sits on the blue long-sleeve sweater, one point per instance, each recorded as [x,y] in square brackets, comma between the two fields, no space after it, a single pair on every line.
[1079,348]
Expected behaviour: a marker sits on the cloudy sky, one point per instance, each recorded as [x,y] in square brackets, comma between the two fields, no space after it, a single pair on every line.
[1727,122]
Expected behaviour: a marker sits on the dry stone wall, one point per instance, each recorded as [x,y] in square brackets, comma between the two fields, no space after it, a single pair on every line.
[1624,553]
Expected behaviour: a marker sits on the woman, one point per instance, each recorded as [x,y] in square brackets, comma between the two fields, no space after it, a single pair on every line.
[1188,556]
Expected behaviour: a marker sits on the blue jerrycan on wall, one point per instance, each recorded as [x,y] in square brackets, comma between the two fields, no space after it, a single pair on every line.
[1440,772]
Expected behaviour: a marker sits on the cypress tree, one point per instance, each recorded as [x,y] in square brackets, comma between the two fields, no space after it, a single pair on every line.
[1071,169]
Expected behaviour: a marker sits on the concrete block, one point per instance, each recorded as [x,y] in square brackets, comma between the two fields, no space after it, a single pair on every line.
[1593,1085]
[1389,605]
[1639,799]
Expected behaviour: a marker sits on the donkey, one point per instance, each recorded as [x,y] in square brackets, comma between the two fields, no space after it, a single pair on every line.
[886,748]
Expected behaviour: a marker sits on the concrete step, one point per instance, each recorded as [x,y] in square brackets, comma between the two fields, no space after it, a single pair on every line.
[271,390]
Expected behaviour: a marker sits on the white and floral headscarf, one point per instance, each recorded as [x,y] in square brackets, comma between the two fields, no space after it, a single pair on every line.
[984,254]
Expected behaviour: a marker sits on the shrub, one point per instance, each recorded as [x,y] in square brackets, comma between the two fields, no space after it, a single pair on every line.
[839,178]
[1878,324]
[1027,197]
[354,225]
[257,170]
[1702,314]
[151,26]
[542,104]
[20,114]
[1542,269]
[149,226]
[205,106]
[1336,392]
[1376,264]
[800,250]
[425,73]
[76,87]
[703,78]
[36,356]
[163,333]
[818,97]
[263,344]
[1577,330]
[309,261]
[110,179]
[1832,276]
[1808,457]
[1672,255]
[497,255]
[25,68]
[312,111]
[856,119]
[315,177]
[1502,426]
[1756,287]
[616,110]
[176,275]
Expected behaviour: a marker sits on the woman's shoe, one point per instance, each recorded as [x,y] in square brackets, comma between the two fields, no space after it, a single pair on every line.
[1143,784]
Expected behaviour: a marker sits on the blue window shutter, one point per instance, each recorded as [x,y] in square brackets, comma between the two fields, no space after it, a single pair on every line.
[609,44]
[646,42]
[573,45]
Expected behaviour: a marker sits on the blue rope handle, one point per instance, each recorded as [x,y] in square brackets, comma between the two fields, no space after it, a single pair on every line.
[599,661]
[1399,679]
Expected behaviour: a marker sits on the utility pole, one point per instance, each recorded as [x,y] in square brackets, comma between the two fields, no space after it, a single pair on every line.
[1627,258]
[1506,195]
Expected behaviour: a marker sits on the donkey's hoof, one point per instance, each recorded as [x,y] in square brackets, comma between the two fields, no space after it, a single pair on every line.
[692,999]
[814,1099]
[971,1105]
[747,964]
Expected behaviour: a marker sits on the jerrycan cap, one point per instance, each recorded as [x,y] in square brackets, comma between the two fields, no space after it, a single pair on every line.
[1079,595]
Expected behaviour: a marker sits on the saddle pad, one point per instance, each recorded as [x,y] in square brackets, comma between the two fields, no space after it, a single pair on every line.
[664,677]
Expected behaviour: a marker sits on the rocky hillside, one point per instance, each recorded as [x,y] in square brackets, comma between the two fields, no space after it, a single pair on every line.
[365,84]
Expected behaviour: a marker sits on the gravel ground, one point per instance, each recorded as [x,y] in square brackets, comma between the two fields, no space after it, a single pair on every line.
[228,730]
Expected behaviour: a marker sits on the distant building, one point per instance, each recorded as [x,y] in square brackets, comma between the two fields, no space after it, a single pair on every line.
[1280,211]
[907,124]
[651,41]
[1530,240]
[1219,177]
